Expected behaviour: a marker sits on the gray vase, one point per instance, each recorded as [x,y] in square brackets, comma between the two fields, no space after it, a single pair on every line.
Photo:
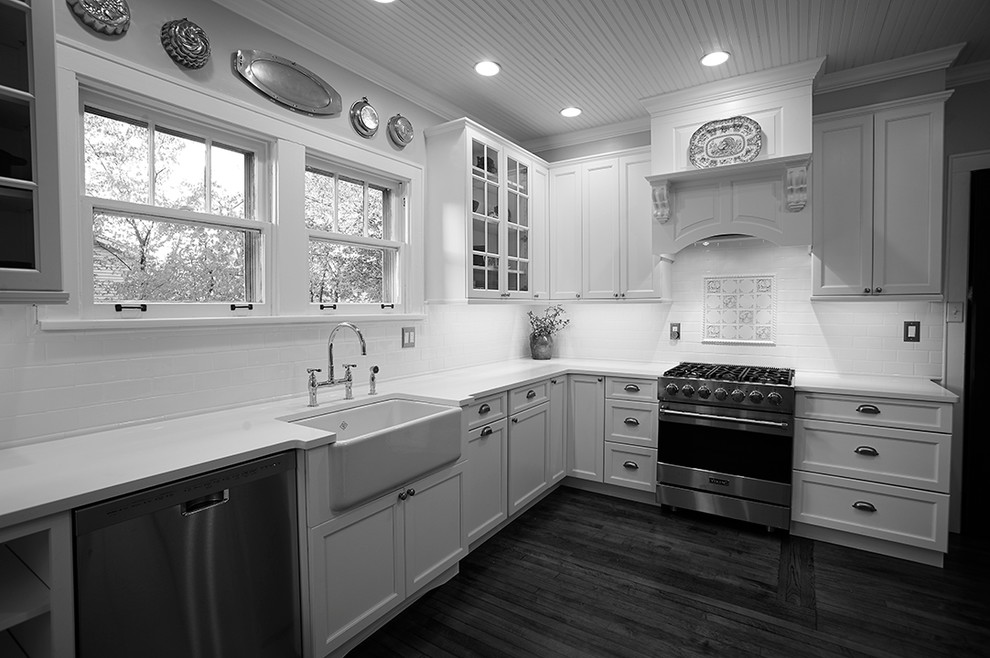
[540,346]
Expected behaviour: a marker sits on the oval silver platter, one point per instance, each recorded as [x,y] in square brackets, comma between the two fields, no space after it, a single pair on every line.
[286,82]
[724,142]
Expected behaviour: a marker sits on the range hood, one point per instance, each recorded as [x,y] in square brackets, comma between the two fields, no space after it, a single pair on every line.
[765,197]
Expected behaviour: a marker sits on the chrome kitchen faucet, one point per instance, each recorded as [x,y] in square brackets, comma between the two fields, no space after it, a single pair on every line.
[313,385]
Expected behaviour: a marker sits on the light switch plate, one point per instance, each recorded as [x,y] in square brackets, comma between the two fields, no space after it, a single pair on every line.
[912,331]
[409,336]
[954,312]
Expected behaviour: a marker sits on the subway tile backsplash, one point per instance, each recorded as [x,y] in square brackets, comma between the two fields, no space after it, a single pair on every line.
[53,384]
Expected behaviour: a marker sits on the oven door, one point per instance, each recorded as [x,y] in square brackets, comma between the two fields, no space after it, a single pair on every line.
[736,455]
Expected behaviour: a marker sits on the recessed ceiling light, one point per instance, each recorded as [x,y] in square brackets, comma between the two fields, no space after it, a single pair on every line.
[384,2]
[487,68]
[715,58]
[570,112]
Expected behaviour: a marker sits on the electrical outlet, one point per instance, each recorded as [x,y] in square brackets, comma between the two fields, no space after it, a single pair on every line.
[409,336]
[675,331]
[912,331]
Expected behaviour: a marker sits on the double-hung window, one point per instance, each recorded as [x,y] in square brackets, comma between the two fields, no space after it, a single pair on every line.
[356,231]
[174,211]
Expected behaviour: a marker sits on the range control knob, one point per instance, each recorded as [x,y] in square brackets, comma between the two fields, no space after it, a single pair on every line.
[687,390]
[774,398]
[755,397]
[704,392]
[671,389]
[721,393]
[737,395]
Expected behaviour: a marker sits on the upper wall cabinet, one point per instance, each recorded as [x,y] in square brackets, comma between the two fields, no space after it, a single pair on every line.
[30,269]
[486,206]
[601,229]
[877,200]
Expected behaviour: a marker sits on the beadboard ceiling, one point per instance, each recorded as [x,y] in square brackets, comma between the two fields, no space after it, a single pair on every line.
[603,55]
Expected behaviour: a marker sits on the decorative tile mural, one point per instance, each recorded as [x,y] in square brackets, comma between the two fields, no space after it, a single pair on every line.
[740,309]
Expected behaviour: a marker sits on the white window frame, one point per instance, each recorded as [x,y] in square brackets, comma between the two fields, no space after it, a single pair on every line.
[396,226]
[199,127]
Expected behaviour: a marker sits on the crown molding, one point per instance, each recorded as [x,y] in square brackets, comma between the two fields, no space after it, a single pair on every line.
[932,60]
[740,86]
[579,137]
[968,74]
[267,16]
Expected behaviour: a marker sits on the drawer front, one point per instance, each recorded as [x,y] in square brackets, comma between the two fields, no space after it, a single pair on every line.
[485,410]
[629,388]
[897,514]
[525,397]
[879,454]
[886,412]
[634,423]
[630,466]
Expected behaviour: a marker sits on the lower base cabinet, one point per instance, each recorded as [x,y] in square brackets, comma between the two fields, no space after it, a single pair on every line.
[485,495]
[528,456]
[586,427]
[366,562]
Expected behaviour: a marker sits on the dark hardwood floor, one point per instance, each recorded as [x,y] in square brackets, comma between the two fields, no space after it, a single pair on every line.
[582,574]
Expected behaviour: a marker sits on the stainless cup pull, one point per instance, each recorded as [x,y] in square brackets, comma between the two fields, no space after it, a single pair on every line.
[203,503]
[866,451]
[631,465]
[864,506]
[631,421]
[632,388]
[871,409]
[531,394]
[484,409]
[486,430]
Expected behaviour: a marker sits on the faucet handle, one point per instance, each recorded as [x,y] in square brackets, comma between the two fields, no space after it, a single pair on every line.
[312,370]
[347,369]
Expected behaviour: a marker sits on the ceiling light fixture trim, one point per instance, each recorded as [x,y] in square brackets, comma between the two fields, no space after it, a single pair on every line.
[715,58]
[570,112]
[487,68]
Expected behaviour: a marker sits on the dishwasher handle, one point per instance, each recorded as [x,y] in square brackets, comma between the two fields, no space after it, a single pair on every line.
[203,503]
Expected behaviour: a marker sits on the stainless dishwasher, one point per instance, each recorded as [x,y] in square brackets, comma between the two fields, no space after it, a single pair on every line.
[205,567]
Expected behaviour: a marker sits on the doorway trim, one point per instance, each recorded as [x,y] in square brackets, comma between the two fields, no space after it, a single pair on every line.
[961,166]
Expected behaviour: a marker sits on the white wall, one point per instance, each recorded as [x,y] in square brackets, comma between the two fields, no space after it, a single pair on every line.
[854,336]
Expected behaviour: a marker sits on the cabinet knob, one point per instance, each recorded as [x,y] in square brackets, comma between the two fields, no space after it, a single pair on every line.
[600,378]
[879,289]
[867,290]
[411,492]
[864,506]
[616,295]
[515,420]
[867,451]
[631,465]
[403,495]
[622,295]
[577,294]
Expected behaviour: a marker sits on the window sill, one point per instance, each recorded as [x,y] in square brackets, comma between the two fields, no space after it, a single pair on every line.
[112,324]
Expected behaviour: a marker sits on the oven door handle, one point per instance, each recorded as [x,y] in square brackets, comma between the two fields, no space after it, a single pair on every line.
[750,421]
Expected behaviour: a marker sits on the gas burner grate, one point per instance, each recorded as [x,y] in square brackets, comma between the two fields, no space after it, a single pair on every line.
[732,373]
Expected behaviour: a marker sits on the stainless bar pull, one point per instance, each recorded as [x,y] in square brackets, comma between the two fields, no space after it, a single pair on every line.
[203,503]
[730,419]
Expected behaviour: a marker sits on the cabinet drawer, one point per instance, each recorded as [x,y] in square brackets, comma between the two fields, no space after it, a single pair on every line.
[893,456]
[906,414]
[525,397]
[897,514]
[633,423]
[485,410]
[630,466]
[629,388]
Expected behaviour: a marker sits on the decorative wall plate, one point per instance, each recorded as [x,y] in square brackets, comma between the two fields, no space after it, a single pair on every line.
[186,43]
[364,118]
[286,82]
[107,16]
[725,142]
[400,130]
[740,310]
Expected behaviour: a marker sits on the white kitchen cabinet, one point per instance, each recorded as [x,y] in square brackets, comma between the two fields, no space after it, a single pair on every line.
[30,256]
[485,479]
[485,216]
[601,229]
[586,427]
[877,199]
[631,430]
[529,432]
[36,599]
[366,562]
[873,473]
[557,442]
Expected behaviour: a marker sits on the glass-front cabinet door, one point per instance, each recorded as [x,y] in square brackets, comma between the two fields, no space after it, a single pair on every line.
[29,249]
[500,223]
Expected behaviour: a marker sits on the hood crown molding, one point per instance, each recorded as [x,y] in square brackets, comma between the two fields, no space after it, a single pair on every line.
[933,60]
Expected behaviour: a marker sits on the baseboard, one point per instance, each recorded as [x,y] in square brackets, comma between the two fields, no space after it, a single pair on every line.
[871,544]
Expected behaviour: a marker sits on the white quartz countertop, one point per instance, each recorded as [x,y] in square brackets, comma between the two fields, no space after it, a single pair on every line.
[48,477]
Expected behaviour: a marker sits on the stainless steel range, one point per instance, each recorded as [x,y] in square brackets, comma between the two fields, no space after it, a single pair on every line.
[725,443]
